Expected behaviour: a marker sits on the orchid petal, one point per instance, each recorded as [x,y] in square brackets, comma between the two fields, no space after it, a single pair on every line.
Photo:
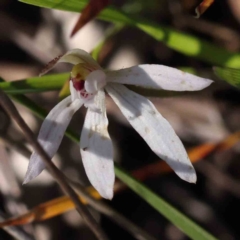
[91,103]
[51,134]
[74,93]
[95,81]
[154,129]
[97,149]
[158,77]
[74,56]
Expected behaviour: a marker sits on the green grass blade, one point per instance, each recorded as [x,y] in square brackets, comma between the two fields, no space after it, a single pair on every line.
[35,84]
[190,228]
[183,43]
[230,75]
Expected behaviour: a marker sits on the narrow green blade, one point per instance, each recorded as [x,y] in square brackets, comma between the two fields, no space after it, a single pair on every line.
[190,228]
[183,43]
[35,84]
[230,75]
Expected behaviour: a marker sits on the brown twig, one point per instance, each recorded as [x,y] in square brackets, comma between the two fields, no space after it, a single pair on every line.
[15,231]
[59,177]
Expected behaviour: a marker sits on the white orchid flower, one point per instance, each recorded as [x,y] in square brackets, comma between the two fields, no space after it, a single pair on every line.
[88,84]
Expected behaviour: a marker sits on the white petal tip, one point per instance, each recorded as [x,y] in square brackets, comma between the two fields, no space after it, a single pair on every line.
[31,174]
[107,193]
[202,84]
[25,182]
[27,179]
[35,167]
[191,177]
[208,82]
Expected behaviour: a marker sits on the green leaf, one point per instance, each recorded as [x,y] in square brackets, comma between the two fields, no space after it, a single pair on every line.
[181,42]
[35,84]
[178,219]
[230,75]
[190,228]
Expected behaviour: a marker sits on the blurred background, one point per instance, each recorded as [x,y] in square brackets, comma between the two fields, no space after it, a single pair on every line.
[30,37]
